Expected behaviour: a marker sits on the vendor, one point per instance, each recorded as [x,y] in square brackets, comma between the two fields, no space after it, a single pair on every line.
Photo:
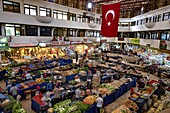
[20,71]
[28,76]
[141,83]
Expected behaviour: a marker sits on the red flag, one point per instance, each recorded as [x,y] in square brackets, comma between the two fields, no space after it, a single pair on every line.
[110,19]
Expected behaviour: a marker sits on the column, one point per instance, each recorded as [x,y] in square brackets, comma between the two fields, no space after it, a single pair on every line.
[38,30]
[3,29]
[1,5]
[23,30]
[22,6]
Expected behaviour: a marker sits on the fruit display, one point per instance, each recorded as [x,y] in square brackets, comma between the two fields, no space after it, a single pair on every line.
[39,80]
[135,96]
[148,90]
[68,72]
[122,109]
[107,86]
[72,82]
[89,100]
[130,104]
[96,81]
[104,91]
[161,104]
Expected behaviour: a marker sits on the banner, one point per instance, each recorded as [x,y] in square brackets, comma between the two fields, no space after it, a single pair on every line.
[163,45]
[110,19]
[135,41]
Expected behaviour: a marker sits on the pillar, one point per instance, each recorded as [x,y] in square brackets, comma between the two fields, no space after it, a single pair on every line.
[38,30]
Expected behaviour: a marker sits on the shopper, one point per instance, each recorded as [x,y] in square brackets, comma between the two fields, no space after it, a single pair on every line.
[28,76]
[20,71]
[49,86]
[78,93]
[99,102]
[14,91]
[57,93]
[76,57]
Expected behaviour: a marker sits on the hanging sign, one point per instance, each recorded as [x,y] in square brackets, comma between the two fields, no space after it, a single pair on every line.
[59,43]
[22,45]
[135,41]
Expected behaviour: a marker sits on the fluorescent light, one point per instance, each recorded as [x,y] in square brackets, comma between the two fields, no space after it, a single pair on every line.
[42,44]
[89,5]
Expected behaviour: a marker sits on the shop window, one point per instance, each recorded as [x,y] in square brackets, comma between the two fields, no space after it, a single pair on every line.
[58,32]
[154,35]
[80,18]
[155,18]
[164,35]
[98,21]
[31,30]
[159,18]
[149,19]
[137,22]
[60,15]
[45,12]
[30,10]
[92,20]
[98,33]
[72,32]
[12,30]
[72,17]
[64,16]
[11,6]
[133,23]
[45,31]
[166,16]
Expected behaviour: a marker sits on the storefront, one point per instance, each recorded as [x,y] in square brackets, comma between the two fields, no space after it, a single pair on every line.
[3,47]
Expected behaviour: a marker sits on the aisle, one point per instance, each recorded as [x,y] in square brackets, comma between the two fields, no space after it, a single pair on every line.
[111,107]
[117,102]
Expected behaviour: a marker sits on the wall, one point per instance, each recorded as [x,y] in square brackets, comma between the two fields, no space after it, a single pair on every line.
[153,43]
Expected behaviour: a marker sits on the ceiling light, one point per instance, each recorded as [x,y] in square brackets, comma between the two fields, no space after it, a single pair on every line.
[89,5]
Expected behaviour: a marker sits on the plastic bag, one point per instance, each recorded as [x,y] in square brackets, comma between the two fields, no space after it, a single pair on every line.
[18,97]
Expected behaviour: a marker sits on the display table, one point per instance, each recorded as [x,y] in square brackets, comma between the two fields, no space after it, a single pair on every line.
[70,77]
[2,75]
[114,95]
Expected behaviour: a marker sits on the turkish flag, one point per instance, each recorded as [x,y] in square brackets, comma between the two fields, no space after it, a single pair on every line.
[110,19]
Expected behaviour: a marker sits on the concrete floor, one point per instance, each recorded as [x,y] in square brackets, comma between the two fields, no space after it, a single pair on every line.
[27,103]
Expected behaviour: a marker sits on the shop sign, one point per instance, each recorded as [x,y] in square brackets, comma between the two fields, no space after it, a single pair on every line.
[135,41]
[22,45]
[3,40]
[59,43]
[3,45]
[163,45]
[75,42]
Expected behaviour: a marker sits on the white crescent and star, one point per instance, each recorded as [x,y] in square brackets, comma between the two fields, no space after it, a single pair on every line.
[108,12]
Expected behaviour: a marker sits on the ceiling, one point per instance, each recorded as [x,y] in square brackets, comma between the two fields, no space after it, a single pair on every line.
[131,8]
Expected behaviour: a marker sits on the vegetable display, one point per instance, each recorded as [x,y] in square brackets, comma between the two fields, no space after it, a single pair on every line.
[68,106]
